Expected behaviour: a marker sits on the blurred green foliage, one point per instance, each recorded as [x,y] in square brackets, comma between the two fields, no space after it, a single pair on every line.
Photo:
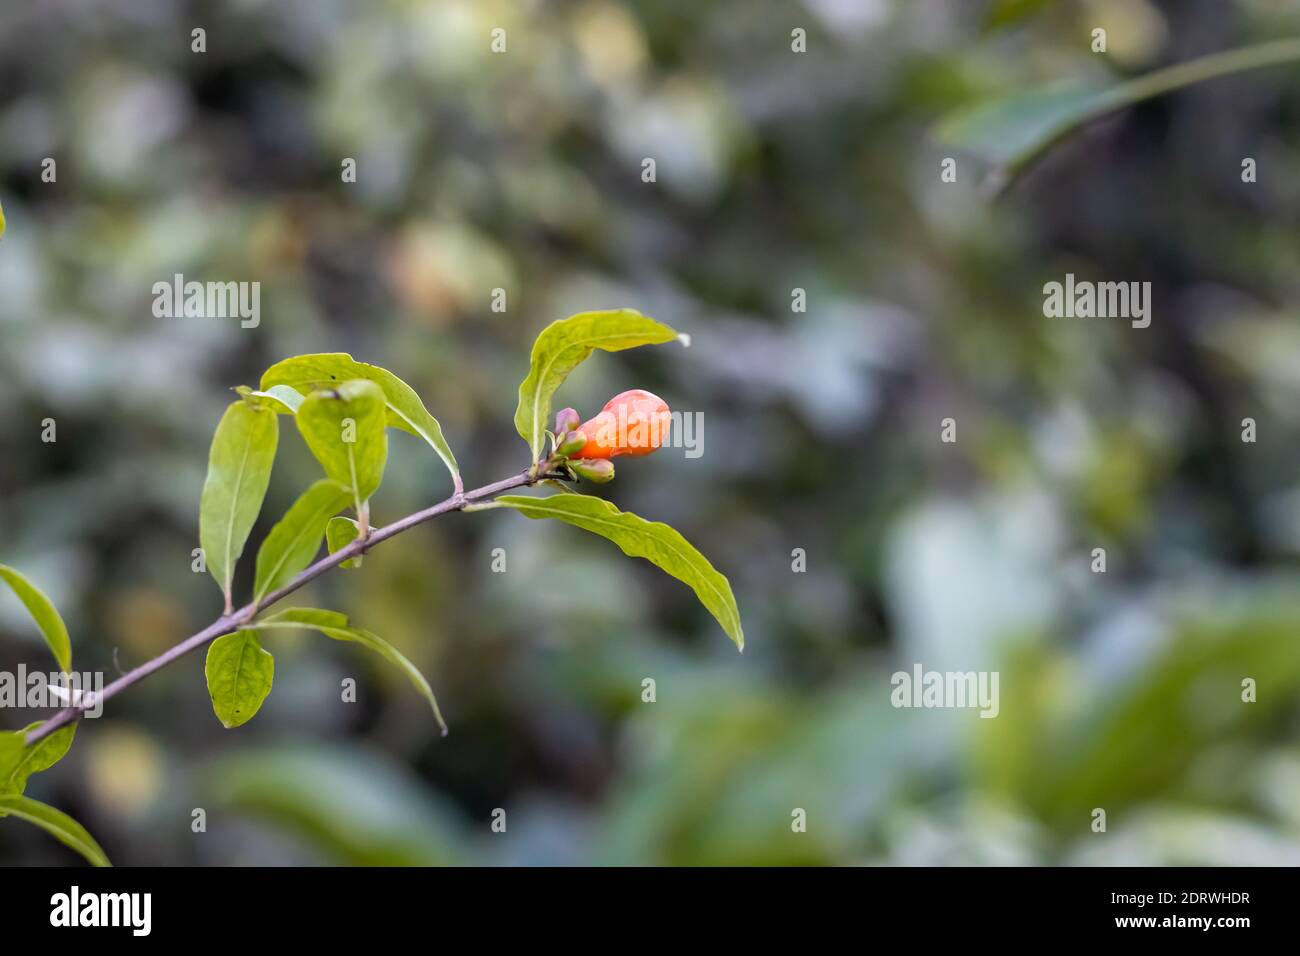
[775,171]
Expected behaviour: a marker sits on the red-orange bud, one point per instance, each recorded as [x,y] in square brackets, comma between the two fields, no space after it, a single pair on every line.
[634,423]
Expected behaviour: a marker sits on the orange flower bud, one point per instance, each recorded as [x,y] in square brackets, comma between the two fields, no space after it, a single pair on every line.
[634,423]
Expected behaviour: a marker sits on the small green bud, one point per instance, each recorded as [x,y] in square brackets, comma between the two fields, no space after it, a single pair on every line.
[571,443]
[567,420]
[598,470]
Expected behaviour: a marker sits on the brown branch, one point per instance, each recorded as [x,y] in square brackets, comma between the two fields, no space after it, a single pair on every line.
[229,623]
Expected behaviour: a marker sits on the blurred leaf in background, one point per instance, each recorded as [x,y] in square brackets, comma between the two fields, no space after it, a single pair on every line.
[841,302]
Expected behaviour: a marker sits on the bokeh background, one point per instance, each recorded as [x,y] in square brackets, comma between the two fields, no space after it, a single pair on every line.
[775,171]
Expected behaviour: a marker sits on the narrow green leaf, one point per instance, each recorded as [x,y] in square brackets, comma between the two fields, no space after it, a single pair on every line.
[562,347]
[57,824]
[559,486]
[296,538]
[239,676]
[19,761]
[44,613]
[1010,133]
[306,617]
[239,469]
[405,409]
[1006,133]
[344,427]
[335,625]
[2,220]
[281,399]
[655,541]
[339,533]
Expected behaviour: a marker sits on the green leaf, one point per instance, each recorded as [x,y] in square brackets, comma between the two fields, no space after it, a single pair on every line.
[655,541]
[19,761]
[44,613]
[562,347]
[335,625]
[57,824]
[339,533]
[344,427]
[281,399]
[2,220]
[239,676]
[405,409]
[559,486]
[1010,133]
[239,469]
[353,803]
[296,538]
[305,618]
[1148,733]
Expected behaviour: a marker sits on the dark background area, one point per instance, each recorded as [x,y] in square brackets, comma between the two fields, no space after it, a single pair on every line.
[775,171]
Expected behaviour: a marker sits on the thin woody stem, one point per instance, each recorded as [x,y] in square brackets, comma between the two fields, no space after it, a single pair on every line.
[233,621]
